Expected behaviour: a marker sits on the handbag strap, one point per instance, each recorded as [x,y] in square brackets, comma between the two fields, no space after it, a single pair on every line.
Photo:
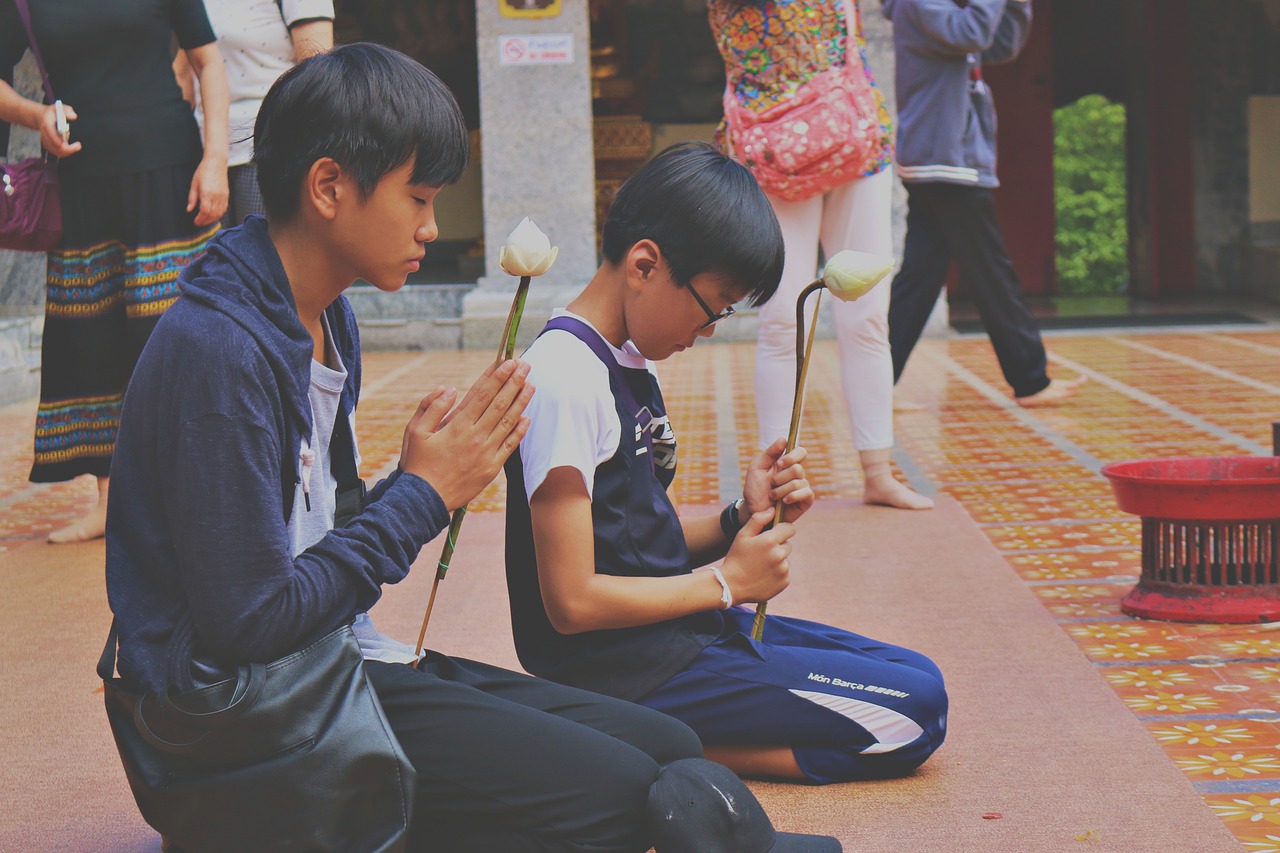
[342,453]
[107,663]
[25,14]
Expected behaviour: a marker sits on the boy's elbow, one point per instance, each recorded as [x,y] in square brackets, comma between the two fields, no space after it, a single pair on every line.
[570,618]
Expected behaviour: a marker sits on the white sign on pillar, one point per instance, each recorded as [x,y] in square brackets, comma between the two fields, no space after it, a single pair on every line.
[544,49]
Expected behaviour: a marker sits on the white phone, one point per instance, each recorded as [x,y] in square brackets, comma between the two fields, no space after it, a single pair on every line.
[60,121]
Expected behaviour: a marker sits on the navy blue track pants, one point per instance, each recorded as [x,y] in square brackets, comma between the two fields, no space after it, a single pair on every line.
[849,707]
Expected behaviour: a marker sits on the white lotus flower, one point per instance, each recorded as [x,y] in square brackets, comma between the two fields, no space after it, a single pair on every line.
[527,251]
[849,275]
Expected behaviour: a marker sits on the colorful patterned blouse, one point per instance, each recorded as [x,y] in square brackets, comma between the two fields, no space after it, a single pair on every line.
[771,47]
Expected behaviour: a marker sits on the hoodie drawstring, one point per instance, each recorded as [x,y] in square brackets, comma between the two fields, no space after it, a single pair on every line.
[306,458]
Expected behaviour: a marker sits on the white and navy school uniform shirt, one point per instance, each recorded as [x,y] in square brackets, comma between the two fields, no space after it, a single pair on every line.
[579,420]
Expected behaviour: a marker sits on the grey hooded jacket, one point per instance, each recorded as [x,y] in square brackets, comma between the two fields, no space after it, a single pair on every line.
[946,118]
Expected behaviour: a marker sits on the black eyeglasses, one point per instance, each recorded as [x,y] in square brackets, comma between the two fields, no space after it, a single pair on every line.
[712,317]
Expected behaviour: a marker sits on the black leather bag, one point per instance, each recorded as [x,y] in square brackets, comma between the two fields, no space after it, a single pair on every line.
[294,755]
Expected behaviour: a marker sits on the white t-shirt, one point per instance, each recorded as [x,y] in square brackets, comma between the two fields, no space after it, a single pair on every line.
[573,417]
[253,36]
[315,503]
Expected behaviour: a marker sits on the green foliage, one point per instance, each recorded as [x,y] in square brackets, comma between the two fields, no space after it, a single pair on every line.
[1090,197]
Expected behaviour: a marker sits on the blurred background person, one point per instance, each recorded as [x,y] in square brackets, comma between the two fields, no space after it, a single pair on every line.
[771,47]
[142,191]
[259,40]
[947,159]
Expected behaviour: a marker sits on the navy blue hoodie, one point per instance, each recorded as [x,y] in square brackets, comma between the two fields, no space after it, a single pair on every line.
[199,565]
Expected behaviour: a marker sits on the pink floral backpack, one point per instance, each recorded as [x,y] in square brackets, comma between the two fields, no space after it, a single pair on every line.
[827,134]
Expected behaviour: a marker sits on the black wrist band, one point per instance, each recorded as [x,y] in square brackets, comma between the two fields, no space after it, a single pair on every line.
[730,522]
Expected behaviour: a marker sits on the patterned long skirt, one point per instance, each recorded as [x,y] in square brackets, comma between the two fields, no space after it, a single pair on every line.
[125,240]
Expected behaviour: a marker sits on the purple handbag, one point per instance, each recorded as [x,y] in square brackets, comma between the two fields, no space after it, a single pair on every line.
[30,198]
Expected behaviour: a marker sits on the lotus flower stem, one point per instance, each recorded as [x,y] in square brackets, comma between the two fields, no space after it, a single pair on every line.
[804,347]
[506,349]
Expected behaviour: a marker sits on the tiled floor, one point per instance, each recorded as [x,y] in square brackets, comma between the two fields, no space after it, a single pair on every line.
[1209,694]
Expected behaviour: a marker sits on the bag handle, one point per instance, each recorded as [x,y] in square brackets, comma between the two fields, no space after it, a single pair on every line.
[25,14]
[250,681]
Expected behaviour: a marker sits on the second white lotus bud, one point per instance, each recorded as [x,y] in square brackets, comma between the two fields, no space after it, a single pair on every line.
[849,275]
[527,251]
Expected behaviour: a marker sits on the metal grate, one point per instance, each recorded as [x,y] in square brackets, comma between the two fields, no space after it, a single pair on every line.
[1211,553]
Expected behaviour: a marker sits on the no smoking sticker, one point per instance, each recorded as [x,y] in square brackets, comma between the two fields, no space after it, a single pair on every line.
[545,49]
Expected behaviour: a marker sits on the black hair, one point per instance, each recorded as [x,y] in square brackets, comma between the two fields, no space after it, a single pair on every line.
[371,109]
[706,213]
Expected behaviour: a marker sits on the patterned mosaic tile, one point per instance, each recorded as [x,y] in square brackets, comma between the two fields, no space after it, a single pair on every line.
[1198,736]
[1111,566]
[1026,537]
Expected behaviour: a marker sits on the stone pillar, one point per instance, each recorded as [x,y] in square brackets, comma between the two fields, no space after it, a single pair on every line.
[536,161]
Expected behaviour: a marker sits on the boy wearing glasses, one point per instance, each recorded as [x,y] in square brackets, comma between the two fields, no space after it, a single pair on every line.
[610,589]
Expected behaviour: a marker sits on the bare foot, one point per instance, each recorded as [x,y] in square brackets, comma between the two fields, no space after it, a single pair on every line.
[91,525]
[83,529]
[1056,391]
[887,491]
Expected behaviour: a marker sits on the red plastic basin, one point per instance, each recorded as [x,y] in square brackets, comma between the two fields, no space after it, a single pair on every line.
[1209,488]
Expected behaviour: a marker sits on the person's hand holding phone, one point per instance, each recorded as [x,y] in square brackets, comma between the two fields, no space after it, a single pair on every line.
[55,129]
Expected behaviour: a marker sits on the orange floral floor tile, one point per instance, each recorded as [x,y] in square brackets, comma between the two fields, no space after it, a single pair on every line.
[1031,479]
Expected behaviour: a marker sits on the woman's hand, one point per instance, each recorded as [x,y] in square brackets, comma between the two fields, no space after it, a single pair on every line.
[459,453]
[777,475]
[42,118]
[209,184]
[49,136]
[209,190]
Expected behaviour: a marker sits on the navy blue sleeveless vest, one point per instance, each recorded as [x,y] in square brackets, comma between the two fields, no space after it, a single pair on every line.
[637,534]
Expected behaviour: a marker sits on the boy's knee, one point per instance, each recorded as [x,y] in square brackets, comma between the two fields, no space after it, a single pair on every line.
[850,762]
[677,741]
[619,793]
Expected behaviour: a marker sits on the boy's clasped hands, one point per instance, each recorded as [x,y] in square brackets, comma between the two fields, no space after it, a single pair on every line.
[757,566]
[460,449]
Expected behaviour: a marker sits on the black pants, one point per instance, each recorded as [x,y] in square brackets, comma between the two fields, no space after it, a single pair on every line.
[949,221]
[511,763]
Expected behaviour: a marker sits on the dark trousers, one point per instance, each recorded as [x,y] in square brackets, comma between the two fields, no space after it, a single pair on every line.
[949,221]
[511,763]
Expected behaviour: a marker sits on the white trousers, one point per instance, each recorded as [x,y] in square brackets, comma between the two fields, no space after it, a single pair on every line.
[857,216]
